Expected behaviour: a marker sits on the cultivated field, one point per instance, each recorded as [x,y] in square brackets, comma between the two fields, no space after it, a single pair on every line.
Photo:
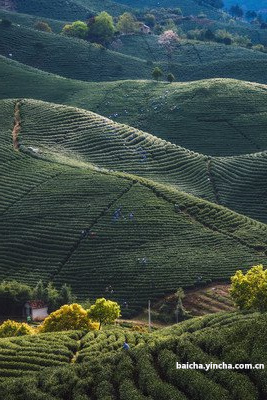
[78,59]
[46,205]
[94,365]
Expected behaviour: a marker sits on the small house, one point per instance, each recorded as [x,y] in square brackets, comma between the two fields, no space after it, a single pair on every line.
[36,309]
[144,28]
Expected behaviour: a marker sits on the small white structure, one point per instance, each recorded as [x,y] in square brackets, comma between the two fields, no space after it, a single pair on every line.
[34,149]
[36,309]
[144,28]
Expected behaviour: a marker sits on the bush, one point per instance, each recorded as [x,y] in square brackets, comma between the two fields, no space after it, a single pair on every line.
[249,291]
[12,328]
[77,29]
[68,317]
[259,47]
[157,73]
[13,296]
[42,26]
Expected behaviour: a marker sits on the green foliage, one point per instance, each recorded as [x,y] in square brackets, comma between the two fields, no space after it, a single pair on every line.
[249,291]
[39,291]
[150,20]
[12,328]
[126,23]
[260,47]
[104,311]
[42,26]
[13,296]
[52,297]
[102,28]
[152,202]
[68,317]
[148,370]
[157,73]
[77,29]
[65,295]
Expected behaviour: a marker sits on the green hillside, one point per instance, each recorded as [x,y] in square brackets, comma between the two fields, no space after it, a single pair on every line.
[188,7]
[94,365]
[217,117]
[85,137]
[78,59]
[69,10]
[70,57]
[198,60]
[59,9]
[30,20]
[46,205]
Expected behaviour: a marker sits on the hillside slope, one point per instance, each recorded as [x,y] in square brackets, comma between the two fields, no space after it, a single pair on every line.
[70,10]
[94,365]
[79,59]
[70,57]
[218,117]
[80,136]
[160,239]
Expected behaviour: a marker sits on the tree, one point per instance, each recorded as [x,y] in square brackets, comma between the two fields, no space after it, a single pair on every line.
[68,317]
[180,311]
[249,291]
[77,29]
[104,311]
[42,26]
[157,73]
[13,295]
[39,292]
[65,295]
[12,328]
[169,40]
[236,11]
[51,297]
[102,29]
[150,20]
[126,23]
[170,77]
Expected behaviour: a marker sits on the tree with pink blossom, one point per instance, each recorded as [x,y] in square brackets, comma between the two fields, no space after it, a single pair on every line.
[169,40]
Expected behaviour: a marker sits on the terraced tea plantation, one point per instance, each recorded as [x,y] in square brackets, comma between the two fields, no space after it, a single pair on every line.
[99,368]
[217,117]
[83,137]
[145,236]
[78,59]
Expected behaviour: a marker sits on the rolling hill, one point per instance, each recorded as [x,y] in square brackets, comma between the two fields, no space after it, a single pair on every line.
[93,365]
[121,148]
[63,180]
[30,20]
[188,7]
[216,117]
[78,59]
[69,10]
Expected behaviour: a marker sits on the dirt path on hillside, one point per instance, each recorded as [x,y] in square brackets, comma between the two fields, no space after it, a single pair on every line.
[17,125]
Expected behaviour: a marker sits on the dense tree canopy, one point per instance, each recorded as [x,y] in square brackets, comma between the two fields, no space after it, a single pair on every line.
[68,317]
[104,311]
[101,28]
[249,291]
[77,29]
[126,23]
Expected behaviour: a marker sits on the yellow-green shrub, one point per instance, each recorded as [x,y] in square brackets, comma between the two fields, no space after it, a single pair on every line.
[68,317]
[12,328]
